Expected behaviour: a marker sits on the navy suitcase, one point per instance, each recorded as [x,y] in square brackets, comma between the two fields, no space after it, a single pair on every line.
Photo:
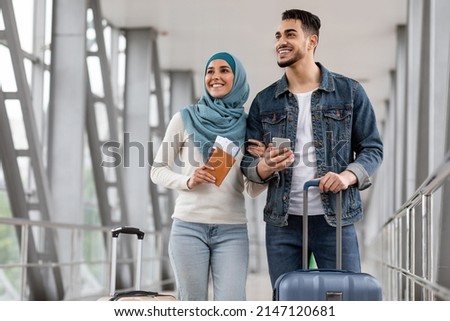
[321,284]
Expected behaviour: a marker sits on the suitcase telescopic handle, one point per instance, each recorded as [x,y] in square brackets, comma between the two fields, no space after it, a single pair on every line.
[306,186]
[311,183]
[115,236]
[128,230]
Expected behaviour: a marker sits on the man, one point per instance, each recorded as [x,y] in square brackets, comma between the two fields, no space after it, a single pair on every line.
[331,124]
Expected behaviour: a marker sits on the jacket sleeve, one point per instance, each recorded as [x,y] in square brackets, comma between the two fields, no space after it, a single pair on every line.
[366,141]
[254,131]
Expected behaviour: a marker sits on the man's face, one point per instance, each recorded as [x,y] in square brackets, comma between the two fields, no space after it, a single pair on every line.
[291,43]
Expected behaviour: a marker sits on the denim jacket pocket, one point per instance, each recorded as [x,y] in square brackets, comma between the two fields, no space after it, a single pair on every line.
[337,113]
[275,124]
[337,137]
[338,121]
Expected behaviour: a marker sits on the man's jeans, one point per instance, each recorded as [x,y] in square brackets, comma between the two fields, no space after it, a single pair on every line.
[195,248]
[284,246]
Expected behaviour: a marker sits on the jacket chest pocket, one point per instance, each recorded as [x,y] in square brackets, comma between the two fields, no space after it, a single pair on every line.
[338,121]
[274,124]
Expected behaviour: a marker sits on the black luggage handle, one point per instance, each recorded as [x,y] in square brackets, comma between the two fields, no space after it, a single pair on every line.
[306,186]
[118,295]
[128,230]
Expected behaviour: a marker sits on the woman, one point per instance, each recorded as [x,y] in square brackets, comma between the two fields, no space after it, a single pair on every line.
[209,229]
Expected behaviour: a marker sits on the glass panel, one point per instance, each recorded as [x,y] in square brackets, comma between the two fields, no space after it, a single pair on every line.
[10,277]
[92,273]
[121,69]
[102,121]
[48,21]
[107,36]
[110,173]
[5,209]
[26,174]
[2,23]
[91,41]
[95,76]
[114,202]
[7,78]
[47,57]
[28,70]
[153,113]
[46,93]
[17,125]
[23,10]
[91,215]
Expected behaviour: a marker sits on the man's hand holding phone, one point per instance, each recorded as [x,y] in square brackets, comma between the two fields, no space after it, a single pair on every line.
[281,142]
[277,157]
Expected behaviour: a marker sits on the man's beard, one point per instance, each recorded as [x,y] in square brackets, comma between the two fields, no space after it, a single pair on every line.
[288,62]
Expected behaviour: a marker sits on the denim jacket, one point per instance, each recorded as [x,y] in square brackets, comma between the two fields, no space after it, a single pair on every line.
[345,136]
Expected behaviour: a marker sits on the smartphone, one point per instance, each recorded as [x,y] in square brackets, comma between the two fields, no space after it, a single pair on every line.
[281,142]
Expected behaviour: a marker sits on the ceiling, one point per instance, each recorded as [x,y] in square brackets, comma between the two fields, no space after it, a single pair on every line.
[357,39]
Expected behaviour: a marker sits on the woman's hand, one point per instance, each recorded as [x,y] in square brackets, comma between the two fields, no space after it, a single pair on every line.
[255,147]
[201,176]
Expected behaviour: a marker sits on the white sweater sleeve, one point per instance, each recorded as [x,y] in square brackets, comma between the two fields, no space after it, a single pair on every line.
[254,189]
[162,171]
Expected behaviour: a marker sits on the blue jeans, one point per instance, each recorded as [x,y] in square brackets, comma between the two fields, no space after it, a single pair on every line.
[198,250]
[284,246]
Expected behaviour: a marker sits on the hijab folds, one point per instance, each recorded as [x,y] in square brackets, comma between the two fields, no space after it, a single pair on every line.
[225,116]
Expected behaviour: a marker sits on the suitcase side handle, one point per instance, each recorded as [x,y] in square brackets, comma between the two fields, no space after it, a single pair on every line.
[128,230]
[306,186]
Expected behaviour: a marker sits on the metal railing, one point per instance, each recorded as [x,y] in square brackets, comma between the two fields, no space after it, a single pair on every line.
[406,245]
[84,278]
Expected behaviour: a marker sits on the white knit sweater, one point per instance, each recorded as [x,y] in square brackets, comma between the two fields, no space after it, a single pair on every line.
[176,161]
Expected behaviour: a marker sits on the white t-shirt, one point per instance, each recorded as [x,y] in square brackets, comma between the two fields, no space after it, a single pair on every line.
[305,166]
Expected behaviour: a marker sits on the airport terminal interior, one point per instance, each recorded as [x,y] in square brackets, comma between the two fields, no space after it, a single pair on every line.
[87,88]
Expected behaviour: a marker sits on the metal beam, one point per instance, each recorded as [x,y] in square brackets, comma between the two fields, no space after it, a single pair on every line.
[54,286]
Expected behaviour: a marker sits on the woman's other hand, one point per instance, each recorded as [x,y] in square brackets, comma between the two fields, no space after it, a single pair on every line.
[255,147]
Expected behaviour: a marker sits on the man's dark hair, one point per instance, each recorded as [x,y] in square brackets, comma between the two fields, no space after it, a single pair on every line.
[310,22]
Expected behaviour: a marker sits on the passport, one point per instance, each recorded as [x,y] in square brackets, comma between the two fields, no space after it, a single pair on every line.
[222,158]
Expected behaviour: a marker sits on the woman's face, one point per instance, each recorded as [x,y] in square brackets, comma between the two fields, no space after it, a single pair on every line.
[219,78]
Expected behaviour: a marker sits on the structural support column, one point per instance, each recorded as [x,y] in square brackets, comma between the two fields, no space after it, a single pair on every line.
[136,125]
[423,141]
[67,119]
[442,133]
[181,89]
[415,8]
[400,111]
[67,109]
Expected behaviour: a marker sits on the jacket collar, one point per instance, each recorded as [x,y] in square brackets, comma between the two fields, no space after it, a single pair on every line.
[326,81]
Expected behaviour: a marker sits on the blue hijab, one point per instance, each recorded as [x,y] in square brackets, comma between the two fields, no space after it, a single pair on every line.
[225,116]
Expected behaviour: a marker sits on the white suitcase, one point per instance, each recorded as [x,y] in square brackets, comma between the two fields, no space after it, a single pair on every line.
[137,294]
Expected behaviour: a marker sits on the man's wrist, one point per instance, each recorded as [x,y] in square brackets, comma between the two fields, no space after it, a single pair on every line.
[263,170]
[351,178]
